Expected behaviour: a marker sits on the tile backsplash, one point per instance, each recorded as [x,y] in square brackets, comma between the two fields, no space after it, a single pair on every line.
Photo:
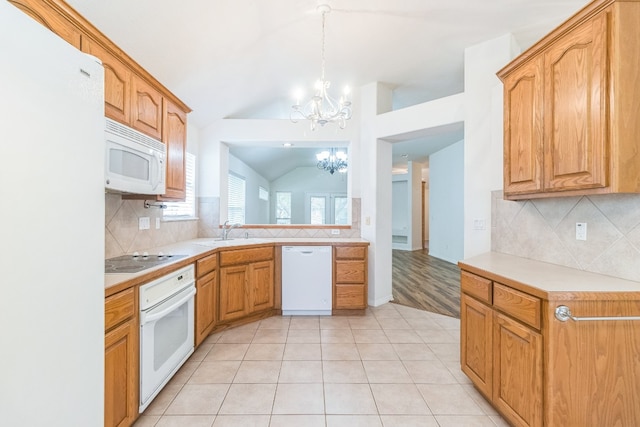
[121,227]
[123,237]
[545,230]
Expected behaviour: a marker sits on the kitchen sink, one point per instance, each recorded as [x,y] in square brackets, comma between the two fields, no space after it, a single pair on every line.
[214,243]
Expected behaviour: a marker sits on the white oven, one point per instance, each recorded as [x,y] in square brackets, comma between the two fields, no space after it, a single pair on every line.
[166,330]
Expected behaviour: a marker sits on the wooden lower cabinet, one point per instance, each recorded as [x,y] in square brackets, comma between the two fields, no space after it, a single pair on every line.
[350,284]
[517,371]
[261,292]
[206,296]
[121,359]
[247,282]
[234,303]
[205,305]
[500,354]
[476,346]
[538,370]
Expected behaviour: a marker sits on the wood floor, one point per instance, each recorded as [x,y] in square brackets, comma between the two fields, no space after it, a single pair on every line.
[426,282]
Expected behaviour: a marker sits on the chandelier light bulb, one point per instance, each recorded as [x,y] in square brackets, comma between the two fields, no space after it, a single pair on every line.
[332,161]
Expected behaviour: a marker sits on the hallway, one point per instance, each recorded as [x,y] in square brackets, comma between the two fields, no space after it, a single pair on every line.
[425,282]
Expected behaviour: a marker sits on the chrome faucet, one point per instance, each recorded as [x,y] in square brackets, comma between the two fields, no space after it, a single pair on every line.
[226,228]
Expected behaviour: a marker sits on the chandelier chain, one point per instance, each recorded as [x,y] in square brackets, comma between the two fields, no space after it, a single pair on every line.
[324,13]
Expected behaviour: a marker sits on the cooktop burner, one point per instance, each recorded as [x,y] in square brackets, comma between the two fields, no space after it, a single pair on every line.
[134,263]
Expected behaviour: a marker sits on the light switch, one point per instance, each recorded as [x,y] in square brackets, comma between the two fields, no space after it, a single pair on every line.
[157,223]
[581,231]
[143,223]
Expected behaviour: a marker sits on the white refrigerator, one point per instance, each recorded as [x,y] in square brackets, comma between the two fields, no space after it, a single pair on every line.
[51,228]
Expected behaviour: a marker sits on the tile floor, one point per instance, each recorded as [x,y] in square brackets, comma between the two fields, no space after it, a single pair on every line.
[395,366]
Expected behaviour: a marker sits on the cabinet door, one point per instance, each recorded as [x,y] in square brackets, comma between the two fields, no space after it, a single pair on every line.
[121,375]
[476,343]
[261,286]
[233,292]
[174,131]
[523,108]
[517,372]
[146,108]
[205,306]
[117,82]
[50,19]
[593,367]
[576,108]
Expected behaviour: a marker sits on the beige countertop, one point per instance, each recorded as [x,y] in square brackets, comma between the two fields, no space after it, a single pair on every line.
[197,248]
[546,280]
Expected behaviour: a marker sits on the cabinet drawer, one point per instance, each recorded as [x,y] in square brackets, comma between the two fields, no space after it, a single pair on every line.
[351,252]
[206,264]
[350,272]
[476,286]
[519,305]
[350,297]
[243,256]
[119,307]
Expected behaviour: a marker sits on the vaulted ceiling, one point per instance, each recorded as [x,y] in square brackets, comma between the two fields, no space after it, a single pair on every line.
[244,58]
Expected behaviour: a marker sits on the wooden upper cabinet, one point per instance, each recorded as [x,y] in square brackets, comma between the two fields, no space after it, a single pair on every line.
[174,135]
[146,108]
[571,116]
[51,19]
[577,93]
[523,150]
[117,82]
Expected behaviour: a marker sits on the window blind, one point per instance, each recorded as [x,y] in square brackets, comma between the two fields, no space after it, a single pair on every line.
[186,209]
[236,206]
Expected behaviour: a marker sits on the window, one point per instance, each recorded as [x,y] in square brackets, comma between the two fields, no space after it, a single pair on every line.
[186,209]
[283,207]
[263,194]
[236,207]
[340,210]
[318,208]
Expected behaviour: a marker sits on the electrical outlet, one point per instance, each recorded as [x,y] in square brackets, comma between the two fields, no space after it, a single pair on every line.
[479,224]
[581,231]
[335,231]
[143,223]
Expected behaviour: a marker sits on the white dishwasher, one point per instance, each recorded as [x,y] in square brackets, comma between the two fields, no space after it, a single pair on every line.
[306,280]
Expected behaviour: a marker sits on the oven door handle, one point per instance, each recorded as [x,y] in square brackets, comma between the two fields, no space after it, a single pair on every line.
[146,317]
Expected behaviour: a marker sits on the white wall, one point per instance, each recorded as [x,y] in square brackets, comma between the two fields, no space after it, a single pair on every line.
[256,210]
[446,203]
[299,182]
[375,163]
[483,137]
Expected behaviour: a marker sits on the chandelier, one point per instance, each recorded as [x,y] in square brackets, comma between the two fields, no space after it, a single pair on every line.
[322,108]
[332,161]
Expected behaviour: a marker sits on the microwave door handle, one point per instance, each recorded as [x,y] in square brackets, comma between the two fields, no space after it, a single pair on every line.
[148,318]
[157,165]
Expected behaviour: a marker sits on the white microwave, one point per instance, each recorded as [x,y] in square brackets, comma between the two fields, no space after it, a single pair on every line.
[134,162]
